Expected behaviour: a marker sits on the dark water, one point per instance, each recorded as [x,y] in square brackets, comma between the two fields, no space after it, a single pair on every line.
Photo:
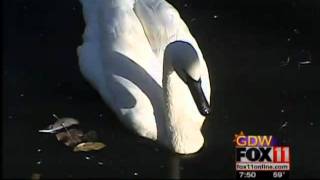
[243,43]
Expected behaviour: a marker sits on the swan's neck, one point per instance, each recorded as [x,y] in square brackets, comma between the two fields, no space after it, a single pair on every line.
[183,121]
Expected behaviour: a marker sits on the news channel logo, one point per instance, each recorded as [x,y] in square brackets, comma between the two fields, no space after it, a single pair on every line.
[260,156]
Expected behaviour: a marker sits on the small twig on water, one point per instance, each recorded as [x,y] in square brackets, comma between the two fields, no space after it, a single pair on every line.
[56,117]
[68,133]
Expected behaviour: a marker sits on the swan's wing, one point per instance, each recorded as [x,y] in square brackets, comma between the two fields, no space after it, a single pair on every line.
[159,21]
[112,26]
[162,25]
[116,59]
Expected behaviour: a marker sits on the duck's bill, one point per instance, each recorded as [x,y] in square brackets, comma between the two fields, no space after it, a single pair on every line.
[198,96]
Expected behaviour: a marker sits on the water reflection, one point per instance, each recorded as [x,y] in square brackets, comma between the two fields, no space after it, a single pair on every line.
[174,167]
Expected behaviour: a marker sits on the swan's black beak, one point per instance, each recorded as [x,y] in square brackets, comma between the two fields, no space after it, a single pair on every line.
[198,96]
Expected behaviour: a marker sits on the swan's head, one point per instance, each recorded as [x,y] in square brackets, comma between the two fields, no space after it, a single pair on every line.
[186,63]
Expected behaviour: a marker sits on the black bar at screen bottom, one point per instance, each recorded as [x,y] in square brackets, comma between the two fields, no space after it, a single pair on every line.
[262,174]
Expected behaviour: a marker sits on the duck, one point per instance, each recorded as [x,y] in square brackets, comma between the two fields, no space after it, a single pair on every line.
[142,59]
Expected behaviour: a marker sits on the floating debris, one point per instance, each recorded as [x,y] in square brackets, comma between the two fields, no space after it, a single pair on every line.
[215,16]
[60,124]
[71,137]
[296,31]
[74,137]
[284,124]
[285,63]
[89,146]
[303,57]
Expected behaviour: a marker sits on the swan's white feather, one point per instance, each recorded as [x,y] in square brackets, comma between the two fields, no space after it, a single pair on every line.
[162,25]
[122,57]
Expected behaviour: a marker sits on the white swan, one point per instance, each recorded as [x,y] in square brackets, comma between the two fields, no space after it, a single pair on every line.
[140,56]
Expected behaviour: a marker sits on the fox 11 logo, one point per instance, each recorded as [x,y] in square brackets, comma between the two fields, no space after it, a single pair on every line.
[260,156]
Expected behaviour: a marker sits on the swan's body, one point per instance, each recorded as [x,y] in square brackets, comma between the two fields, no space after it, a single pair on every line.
[123,57]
